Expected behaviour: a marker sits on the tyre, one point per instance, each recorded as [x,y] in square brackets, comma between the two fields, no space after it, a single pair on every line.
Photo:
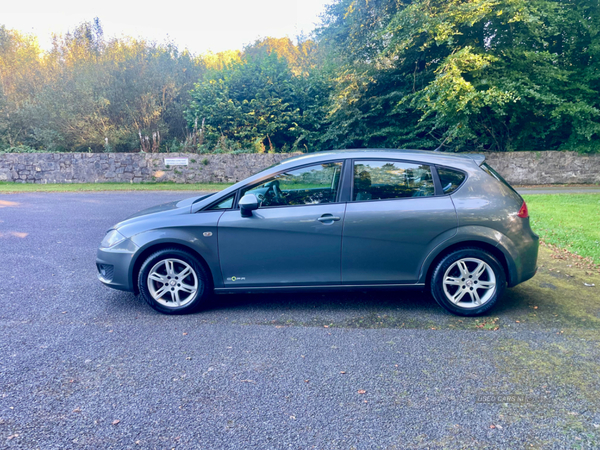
[468,282]
[173,281]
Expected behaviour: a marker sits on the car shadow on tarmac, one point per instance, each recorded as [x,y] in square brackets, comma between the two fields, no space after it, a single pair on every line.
[551,299]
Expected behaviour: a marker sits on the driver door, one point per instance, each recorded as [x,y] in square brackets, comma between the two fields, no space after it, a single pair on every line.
[294,238]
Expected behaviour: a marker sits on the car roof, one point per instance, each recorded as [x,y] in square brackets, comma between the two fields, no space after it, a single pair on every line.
[411,155]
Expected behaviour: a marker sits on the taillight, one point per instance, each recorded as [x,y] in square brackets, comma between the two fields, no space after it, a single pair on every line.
[523,213]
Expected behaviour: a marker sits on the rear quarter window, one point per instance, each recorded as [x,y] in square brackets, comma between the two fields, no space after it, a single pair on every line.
[490,171]
[450,179]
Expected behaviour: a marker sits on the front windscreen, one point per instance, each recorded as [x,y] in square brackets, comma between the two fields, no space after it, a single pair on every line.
[202,198]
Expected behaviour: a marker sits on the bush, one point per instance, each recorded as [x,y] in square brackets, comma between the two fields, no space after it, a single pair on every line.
[22,149]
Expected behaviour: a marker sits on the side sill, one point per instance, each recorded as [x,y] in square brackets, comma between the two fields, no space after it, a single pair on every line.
[337,287]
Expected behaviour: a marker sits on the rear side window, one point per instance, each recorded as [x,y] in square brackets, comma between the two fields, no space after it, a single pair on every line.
[450,179]
[383,180]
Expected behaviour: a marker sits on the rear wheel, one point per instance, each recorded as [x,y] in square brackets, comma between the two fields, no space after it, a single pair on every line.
[173,281]
[468,282]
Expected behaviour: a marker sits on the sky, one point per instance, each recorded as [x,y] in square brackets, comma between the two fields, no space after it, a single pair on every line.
[200,26]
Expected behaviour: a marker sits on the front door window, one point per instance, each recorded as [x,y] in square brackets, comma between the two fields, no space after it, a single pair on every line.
[310,185]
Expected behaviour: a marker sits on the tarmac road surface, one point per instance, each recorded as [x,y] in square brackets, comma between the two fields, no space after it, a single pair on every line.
[86,367]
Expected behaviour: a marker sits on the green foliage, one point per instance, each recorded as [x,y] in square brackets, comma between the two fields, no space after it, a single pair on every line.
[464,75]
[89,92]
[263,102]
[21,149]
[472,75]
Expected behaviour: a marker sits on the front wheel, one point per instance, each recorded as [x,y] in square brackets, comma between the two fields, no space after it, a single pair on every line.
[172,281]
[468,282]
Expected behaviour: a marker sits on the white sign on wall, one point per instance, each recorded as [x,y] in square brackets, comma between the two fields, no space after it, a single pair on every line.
[176,161]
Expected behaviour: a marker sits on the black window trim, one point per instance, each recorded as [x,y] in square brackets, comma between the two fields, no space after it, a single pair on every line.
[437,182]
[431,166]
[345,194]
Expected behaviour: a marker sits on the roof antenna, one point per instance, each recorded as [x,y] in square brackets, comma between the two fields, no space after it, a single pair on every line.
[439,149]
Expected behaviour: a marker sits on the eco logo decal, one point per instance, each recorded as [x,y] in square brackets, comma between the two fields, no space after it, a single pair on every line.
[236,278]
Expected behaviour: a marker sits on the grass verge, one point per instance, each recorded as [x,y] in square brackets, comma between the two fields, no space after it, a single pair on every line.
[568,221]
[10,187]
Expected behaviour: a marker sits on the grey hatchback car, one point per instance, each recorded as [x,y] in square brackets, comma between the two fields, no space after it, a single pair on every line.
[344,219]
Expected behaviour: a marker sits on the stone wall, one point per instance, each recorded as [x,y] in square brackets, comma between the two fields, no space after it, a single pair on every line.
[548,167]
[131,167]
[517,167]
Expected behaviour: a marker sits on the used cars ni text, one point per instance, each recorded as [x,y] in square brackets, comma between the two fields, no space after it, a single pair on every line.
[345,219]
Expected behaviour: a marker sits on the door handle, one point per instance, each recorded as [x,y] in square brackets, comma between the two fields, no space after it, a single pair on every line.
[328,218]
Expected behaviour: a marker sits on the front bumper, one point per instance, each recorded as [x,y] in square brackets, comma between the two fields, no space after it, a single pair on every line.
[115,265]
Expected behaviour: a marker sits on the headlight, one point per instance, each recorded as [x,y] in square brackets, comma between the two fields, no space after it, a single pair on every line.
[113,237]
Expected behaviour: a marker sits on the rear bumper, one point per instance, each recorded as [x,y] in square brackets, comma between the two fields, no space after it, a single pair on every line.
[526,260]
[113,265]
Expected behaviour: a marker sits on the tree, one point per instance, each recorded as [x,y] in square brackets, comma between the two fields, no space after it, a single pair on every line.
[259,103]
[463,75]
[471,75]
[92,93]
[21,72]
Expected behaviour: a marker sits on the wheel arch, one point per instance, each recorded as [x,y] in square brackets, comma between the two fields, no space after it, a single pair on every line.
[486,239]
[145,252]
[495,251]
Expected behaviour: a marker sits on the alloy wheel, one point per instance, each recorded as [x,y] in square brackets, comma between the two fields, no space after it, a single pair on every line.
[469,283]
[172,282]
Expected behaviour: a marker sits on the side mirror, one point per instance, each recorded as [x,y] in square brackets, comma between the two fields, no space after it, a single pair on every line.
[248,203]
